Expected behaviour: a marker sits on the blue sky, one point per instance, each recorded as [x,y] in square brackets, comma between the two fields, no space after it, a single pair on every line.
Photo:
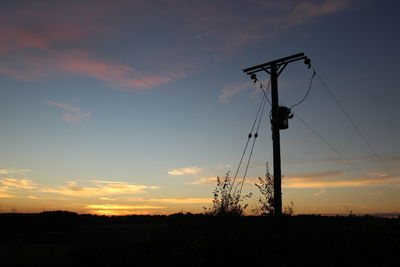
[136,106]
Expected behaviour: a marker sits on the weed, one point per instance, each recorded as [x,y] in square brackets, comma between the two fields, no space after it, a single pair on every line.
[266,187]
[227,202]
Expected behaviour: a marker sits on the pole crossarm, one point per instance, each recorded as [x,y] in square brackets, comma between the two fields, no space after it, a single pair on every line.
[279,63]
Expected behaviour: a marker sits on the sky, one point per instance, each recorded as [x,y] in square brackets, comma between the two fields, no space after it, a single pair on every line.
[135,107]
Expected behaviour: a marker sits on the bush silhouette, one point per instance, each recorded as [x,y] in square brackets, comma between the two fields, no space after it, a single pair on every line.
[227,200]
[266,187]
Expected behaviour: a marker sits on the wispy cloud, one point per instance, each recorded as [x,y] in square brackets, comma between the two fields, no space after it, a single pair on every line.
[386,159]
[108,199]
[304,11]
[185,170]
[180,200]
[98,189]
[6,195]
[205,180]
[17,183]
[52,43]
[233,89]
[75,115]
[122,207]
[12,171]
[303,182]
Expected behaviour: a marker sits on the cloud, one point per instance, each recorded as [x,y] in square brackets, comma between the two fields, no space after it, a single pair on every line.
[318,193]
[331,179]
[123,207]
[99,189]
[185,170]
[388,160]
[17,183]
[12,171]
[180,200]
[206,180]
[5,195]
[79,62]
[33,197]
[307,10]
[213,181]
[233,89]
[307,183]
[77,115]
[108,199]
[48,40]
[317,175]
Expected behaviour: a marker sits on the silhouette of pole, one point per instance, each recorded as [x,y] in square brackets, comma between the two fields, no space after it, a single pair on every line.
[280,116]
[276,141]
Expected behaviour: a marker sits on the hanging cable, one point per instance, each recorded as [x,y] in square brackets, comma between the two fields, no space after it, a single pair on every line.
[308,91]
[353,124]
[330,146]
[266,90]
[250,135]
[342,156]
[252,146]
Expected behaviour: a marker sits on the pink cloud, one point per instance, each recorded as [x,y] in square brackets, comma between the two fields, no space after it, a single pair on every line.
[234,89]
[71,118]
[77,115]
[45,39]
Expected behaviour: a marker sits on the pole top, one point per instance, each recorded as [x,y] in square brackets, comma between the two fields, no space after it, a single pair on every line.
[280,61]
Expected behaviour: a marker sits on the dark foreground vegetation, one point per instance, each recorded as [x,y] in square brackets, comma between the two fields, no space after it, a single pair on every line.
[69,239]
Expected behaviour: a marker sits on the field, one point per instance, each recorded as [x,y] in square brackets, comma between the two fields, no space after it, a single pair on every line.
[69,239]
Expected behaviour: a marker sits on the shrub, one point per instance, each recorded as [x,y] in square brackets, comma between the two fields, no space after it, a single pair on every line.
[266,187]
[227,202]
[288,210]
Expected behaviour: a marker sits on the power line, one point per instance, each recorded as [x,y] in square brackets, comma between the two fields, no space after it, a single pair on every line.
[308,91]
[250,135]
[252,146]
[330,146]
[353,123]
[320,136]
[341,155]
[265,91]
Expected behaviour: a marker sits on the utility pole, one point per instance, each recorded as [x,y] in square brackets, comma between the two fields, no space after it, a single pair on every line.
[280,116]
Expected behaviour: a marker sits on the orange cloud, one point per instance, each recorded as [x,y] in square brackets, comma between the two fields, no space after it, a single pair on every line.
[5,195]
[180,200]
[206,180]
[185,170]
[17,183]
[295,182]
[12,171]
[100,188]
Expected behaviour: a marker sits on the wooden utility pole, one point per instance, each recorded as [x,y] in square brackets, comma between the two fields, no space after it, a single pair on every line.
[280,116]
